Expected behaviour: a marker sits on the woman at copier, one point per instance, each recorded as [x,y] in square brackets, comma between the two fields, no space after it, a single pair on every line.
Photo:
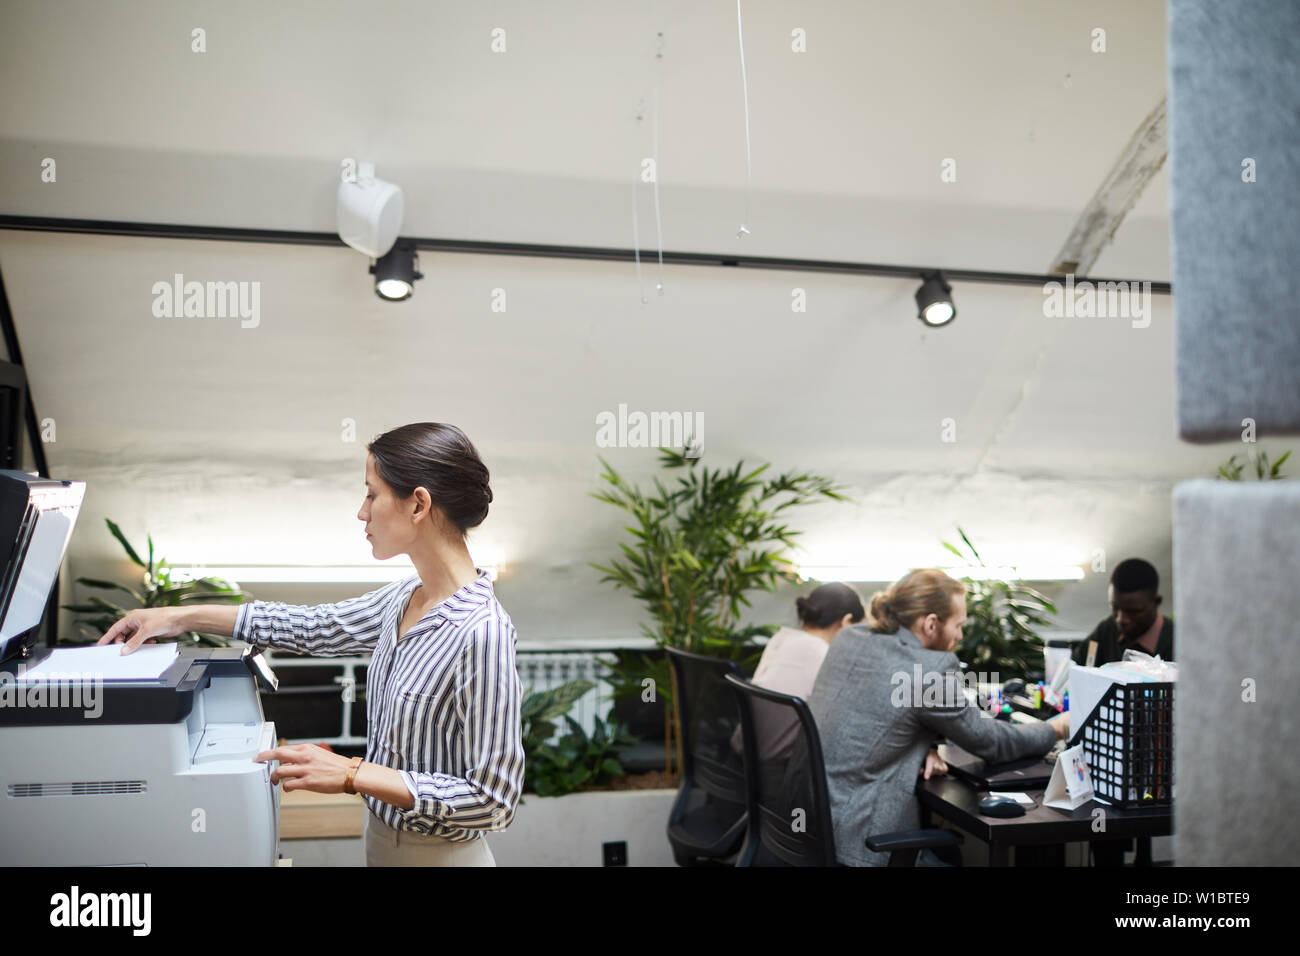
[444,760]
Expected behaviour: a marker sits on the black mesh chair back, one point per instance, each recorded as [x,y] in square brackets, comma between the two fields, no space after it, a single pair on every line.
[788,802]
[708,818]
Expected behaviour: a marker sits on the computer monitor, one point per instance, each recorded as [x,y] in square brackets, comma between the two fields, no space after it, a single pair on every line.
[36,520]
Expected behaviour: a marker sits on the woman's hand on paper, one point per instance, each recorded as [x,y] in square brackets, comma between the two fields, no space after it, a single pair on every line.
[142,626]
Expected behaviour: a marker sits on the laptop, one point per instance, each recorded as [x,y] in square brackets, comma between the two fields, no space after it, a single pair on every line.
[1028,773]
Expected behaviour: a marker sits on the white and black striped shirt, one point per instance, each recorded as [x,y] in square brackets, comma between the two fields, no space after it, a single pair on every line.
[442,704]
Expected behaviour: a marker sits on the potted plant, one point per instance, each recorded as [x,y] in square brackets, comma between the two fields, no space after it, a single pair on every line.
[1231,469]
[1000,635]
[700,545]
[553,767]
[578,808]
[159,588]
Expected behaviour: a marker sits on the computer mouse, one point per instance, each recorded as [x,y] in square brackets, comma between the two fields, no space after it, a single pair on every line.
[1013,687]
[1001,807]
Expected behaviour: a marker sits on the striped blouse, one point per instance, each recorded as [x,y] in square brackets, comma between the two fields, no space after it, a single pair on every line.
[442,704]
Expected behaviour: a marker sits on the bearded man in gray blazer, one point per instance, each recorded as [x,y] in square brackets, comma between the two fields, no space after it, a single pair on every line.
[886,691]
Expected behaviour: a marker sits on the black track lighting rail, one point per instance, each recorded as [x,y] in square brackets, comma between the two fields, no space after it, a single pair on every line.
[544,251]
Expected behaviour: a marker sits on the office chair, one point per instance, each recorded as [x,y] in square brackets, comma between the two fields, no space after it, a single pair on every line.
[788,804]
[707,823]
[787,797]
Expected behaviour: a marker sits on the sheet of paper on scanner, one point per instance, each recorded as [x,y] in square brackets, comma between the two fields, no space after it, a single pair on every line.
[106,663]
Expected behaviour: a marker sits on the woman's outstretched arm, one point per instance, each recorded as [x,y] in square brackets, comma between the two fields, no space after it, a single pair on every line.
[344,627]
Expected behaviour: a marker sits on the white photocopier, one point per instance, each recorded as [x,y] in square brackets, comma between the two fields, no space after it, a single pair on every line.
[102,768]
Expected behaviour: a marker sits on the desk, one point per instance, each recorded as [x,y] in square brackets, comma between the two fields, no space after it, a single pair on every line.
[957,802]
[308,815]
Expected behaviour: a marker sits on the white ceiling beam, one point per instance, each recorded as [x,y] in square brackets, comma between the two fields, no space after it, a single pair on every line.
[1137,165]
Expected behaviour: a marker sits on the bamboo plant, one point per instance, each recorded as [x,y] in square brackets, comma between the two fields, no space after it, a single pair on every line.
[700,545]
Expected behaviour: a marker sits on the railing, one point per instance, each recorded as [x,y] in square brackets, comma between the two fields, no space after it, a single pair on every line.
[544,670]
[539,670]
[345,683]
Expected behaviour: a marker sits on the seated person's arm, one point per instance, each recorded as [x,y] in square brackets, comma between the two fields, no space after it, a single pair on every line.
[934,764]
[993,740]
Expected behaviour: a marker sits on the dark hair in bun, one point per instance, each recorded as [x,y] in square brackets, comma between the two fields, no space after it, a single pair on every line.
[440,459]
[828,604]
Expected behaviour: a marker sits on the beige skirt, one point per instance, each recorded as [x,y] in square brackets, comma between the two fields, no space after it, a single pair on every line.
[388,847]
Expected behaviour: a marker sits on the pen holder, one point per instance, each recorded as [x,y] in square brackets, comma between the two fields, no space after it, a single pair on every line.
[1128,743]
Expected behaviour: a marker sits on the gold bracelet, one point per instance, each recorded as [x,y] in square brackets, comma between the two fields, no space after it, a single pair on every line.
[352,776]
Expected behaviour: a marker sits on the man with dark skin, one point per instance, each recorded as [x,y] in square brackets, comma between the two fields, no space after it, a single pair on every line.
[1136,622]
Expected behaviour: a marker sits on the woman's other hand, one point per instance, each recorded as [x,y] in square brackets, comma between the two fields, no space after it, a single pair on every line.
[307,767]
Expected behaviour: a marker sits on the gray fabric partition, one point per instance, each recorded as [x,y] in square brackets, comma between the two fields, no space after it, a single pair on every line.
[1234,94]
[1237,564]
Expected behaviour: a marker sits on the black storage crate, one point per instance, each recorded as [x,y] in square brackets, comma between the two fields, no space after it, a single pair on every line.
[1128,743]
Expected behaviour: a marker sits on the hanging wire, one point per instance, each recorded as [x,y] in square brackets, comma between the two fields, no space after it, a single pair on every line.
[654,149]
[636,232]
[744,84]
[659,228]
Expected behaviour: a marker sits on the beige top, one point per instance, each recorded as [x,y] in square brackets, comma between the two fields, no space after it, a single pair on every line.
[789,665]
[790,662]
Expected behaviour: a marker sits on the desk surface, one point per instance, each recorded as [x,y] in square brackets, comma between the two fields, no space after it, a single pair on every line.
[957,801]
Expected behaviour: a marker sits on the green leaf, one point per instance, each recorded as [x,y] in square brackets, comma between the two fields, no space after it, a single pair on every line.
[102,605]
[109,585]
[1275,471]
[971,546]
[130,551]
[689,560]
[550,704]
[82,608]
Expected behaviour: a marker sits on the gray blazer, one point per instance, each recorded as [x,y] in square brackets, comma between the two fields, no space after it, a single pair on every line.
[875,736]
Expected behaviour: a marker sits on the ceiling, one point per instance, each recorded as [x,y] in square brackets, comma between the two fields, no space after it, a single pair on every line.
[226,443]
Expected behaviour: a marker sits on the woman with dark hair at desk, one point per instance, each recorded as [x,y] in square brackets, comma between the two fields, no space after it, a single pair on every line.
[444,761]
[876,736]
[793,657]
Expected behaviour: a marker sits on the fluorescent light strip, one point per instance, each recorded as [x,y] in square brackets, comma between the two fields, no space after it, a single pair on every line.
[867,573]
[848,572]
[1027,572]
[364,574]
